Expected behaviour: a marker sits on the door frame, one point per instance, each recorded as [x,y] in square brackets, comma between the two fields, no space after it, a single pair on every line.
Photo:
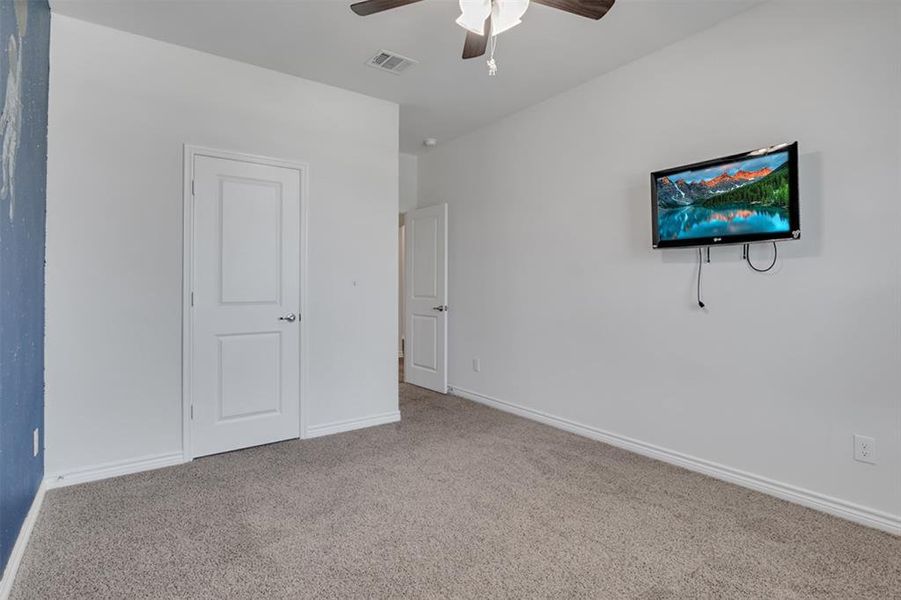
[190,153]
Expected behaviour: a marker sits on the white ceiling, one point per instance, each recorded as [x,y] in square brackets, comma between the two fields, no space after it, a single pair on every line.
[443,96]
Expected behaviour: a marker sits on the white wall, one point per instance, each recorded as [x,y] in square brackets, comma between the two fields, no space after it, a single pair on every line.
[121,107]
[554,285]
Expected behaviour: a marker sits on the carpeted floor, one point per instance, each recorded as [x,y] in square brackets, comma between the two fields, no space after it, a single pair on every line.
[456,501]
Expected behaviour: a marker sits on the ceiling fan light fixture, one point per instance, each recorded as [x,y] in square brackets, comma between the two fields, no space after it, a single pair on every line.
[483,20]
[473,15]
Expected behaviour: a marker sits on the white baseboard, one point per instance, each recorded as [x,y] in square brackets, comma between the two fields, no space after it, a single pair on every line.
[314,431]
[15,558]
[827,504]
[114,469]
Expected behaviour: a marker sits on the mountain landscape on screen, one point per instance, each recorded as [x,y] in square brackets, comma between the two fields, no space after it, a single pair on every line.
[731,199]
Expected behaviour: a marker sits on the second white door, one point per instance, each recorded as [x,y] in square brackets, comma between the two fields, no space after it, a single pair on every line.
[425,351]
[245,358]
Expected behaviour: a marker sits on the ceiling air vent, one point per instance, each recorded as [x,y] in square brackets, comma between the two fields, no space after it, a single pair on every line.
[391,62]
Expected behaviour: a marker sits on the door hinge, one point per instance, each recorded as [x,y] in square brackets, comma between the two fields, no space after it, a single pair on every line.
[192,412]
[192,298]
[192,187]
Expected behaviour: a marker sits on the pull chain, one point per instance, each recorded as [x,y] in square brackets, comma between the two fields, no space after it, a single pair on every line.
[492,64]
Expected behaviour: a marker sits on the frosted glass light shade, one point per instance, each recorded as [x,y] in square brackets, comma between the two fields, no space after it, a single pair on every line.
[505,14]
[474,14]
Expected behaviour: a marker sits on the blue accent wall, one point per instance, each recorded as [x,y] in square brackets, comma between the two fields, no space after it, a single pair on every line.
[24,75]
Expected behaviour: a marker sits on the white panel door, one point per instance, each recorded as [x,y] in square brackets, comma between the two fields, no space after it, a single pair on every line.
[425,352]
[245,360]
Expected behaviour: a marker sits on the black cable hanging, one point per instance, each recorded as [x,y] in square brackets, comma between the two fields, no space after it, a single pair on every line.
[747,254]
[700,264]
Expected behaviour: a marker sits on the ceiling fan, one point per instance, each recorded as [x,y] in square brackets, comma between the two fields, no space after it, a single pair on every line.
[484,20]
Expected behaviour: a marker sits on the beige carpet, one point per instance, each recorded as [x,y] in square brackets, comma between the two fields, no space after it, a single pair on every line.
[456,501]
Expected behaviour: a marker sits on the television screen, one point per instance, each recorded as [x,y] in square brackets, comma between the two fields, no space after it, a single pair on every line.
[743,198]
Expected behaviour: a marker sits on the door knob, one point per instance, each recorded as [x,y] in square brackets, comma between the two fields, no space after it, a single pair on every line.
[290,318]
[440,308]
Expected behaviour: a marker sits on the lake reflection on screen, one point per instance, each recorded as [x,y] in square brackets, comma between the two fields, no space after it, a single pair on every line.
[696,222]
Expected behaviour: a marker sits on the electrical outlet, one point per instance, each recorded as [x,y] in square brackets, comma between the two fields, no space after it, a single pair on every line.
[864,449]
[477,365]
[36,441]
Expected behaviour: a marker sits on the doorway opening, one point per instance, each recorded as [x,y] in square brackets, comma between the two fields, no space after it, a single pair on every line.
[401,249]
[425,297]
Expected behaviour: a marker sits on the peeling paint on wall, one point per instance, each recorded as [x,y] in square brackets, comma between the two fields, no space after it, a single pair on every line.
[11,117]
[24,75]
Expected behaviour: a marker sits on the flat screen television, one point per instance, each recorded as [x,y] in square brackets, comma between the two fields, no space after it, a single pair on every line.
[749,197]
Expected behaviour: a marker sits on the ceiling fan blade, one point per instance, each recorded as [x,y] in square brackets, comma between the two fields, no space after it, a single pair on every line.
[475,44]
[369,7]
[593,9]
